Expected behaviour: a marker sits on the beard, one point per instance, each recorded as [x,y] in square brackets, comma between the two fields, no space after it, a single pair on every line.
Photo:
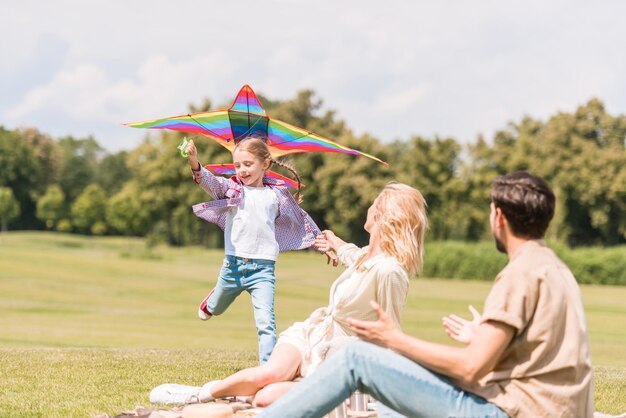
[499,244]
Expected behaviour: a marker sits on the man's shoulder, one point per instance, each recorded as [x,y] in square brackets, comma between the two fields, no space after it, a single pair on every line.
[534,264]
[533,254]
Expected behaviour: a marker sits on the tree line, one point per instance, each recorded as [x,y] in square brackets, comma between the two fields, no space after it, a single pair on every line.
[73,185]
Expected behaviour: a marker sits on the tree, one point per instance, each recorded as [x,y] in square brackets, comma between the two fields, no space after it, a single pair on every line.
[582,155]
[112,172]
[433,167]
[46,153]
[124,212]
[88,210]
[590,173]
[9,207]
[477,174]
[51,206]
[21,172]
[321,172]
[78,165]
[346,187]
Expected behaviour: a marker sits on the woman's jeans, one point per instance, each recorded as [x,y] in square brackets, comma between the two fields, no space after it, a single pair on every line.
[256,276]
[395,381]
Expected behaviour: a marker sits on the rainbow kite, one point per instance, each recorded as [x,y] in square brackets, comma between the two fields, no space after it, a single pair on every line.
[246,117]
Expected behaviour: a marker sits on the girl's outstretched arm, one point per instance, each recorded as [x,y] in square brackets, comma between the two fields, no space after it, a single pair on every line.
[192,151]
[214,186]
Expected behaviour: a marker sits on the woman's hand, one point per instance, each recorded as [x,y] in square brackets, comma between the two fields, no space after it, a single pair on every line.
[328,241]
[460,329]
[332,257]
[323,245]
[192,152]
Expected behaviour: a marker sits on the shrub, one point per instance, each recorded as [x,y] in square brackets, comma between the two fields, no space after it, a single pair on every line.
[99,228]
[461,260]
[64,225]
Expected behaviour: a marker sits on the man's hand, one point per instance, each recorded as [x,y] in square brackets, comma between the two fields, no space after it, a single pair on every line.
[380,332]
[460,329]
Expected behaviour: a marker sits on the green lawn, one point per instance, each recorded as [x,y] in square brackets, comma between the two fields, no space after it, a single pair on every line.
[89,325]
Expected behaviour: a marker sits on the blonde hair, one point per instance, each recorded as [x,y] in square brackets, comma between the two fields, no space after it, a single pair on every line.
[403,222]
[257,147]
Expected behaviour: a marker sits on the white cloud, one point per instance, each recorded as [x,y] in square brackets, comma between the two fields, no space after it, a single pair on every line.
[395,70]
[71,91]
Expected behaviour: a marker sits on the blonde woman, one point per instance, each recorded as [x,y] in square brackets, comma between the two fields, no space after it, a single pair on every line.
[396,223]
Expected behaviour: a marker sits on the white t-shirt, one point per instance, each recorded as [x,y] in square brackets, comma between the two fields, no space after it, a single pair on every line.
[250,227]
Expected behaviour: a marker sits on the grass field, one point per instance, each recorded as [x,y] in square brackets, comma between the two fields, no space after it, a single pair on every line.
[90,325]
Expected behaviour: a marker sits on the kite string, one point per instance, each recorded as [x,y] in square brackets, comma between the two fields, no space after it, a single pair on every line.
[206,128]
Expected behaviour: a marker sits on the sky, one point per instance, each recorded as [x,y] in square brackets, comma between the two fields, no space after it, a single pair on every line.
[390,69]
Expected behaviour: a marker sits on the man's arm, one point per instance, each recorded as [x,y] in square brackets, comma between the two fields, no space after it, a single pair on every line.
[468,363]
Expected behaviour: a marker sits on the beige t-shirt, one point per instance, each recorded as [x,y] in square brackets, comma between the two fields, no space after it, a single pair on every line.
[546,369]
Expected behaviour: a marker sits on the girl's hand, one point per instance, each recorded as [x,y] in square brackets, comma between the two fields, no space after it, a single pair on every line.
[191,149]
[193,155]
[460,329]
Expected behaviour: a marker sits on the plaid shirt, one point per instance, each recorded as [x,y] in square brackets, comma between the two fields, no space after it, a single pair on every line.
[295,230]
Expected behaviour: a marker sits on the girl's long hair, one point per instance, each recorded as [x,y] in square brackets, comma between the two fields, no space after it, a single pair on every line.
[403,222]
[257,147]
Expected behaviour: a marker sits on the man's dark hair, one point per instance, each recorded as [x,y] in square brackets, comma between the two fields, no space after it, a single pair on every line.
[526,201]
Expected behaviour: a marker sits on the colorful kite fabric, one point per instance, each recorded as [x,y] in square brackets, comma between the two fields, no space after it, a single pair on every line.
[229,170]
[246,117]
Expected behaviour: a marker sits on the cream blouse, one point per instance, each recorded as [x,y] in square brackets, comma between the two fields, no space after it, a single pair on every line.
[381,278]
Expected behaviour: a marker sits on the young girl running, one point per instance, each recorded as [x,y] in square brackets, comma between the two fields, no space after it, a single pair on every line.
[260,218]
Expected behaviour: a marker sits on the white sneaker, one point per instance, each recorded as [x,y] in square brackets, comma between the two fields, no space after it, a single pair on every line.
[172,393]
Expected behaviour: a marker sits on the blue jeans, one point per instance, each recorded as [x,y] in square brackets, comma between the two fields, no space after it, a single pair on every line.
[395,381]
[256,276]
